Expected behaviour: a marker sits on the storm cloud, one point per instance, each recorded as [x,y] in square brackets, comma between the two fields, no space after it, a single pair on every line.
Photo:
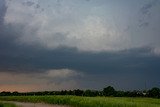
[60,25]
[77,44]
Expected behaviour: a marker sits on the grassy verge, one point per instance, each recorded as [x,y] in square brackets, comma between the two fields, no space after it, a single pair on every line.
[7,105]
[76,101]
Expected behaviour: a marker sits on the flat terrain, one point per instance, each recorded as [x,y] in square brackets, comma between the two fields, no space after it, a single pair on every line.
[27,104]
[6,104]
[76,101]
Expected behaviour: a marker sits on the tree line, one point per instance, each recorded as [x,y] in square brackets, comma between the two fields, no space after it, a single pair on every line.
[107,91]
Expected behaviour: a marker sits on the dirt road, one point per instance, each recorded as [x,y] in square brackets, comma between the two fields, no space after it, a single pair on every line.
[22,104]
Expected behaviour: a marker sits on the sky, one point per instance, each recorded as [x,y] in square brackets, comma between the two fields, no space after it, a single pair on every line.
[79,44]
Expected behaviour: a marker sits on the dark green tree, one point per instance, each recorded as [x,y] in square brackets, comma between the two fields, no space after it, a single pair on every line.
[90,93]
[109,91]
[78,92]
[154,92]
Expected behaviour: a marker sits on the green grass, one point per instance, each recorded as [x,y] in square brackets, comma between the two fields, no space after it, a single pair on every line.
[76,101]
[7,105]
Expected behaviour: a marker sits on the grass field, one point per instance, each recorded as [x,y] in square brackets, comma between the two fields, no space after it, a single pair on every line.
[7,105]
[76,101]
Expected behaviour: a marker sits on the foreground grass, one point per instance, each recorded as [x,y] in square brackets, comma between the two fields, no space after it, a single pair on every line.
[76,101]
[7,105]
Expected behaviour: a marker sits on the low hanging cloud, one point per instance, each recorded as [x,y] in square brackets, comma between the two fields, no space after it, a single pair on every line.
[55,79]
[62,73]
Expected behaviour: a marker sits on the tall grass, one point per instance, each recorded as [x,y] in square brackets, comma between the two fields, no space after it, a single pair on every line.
[7,105]
[76,101]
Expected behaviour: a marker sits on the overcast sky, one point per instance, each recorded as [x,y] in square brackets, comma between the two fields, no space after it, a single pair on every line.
[86,44]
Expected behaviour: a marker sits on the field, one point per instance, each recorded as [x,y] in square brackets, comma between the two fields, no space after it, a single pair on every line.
[7,105]
[76,101]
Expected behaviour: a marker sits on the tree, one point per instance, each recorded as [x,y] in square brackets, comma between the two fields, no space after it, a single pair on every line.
[90,93]
[78,92]
[15,93]
[154,92]
[109,91]
[119,94]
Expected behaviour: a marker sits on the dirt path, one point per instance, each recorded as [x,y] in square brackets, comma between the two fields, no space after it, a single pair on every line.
[22,104]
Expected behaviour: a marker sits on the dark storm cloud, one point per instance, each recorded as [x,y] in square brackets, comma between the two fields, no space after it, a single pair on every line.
[2,11]
[144,24]
[29,58]
[123,69]
[146,8]
[126,66]
[8,47]
[104,68]
[147,12]
[28,3]
[15,57]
